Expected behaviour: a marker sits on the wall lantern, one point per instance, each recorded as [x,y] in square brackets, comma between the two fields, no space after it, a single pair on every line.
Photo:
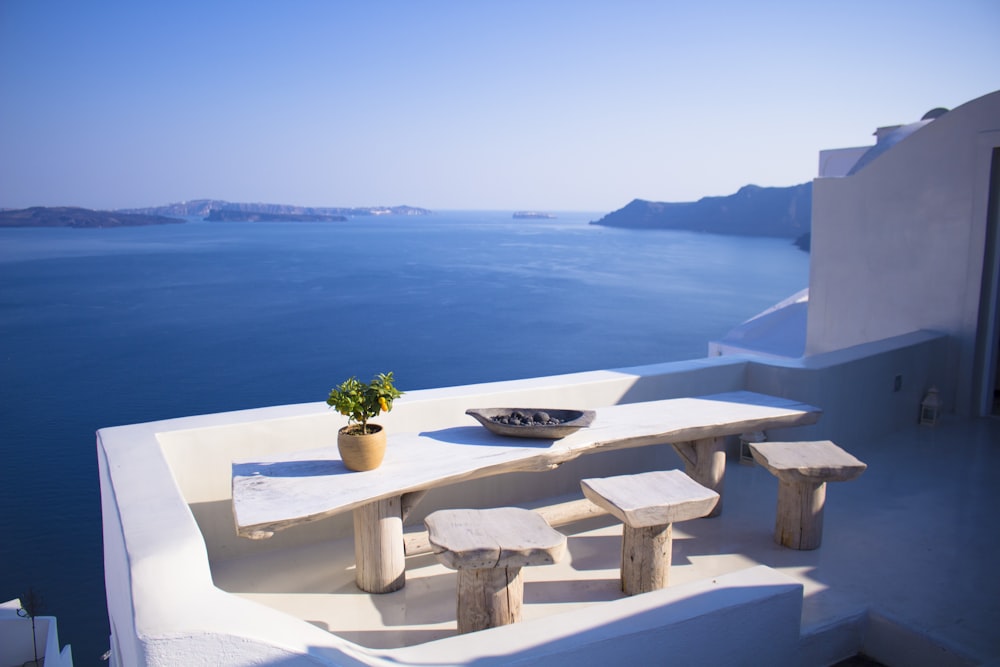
[930,407]
[746,456]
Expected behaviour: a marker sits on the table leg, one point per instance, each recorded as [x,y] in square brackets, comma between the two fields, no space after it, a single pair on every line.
[378,546]
[705,463]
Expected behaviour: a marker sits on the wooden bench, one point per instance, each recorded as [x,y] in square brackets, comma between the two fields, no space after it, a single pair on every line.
[648,504]
[803,469]
[488,548]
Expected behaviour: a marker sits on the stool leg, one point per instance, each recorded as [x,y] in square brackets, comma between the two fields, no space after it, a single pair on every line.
[489,597]
[378,546]
[646,556]
[799,524]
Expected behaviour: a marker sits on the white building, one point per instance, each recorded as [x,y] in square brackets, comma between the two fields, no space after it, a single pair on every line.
[903,296]
[23,638]
[910,241]
[904,238]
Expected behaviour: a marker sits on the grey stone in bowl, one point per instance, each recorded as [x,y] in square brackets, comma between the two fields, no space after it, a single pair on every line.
[531,422]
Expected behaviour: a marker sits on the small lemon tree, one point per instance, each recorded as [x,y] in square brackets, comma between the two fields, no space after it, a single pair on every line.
[360,402]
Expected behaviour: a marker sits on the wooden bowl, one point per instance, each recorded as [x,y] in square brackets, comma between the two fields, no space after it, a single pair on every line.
[568,421]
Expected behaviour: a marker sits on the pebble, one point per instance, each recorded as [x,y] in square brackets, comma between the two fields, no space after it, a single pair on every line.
[519,418]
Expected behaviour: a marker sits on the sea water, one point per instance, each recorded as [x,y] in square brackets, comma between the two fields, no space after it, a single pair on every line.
[102,327]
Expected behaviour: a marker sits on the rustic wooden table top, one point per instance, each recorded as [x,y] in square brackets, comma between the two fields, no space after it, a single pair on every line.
[273,493]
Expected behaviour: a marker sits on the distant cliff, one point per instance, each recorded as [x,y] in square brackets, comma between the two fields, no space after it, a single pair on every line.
[204,207]
[752,211]
[69,216]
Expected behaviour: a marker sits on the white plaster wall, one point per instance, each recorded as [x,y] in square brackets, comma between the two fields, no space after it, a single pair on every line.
[838,161]
[856,387]
[749,617]
[898,247]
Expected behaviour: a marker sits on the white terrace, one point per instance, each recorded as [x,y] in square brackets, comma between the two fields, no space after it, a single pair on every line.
[901,574]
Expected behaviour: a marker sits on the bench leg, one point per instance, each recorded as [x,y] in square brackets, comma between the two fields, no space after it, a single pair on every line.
[646,557]
[489,597]
[705,463]
[378,546]
[799,524]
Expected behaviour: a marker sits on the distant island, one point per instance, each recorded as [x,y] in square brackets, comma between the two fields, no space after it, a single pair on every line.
[751,211]
[213,210]
[206,207]
[71,216]
[230,215]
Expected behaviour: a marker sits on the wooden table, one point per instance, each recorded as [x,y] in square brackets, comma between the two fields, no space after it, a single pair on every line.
[292,488]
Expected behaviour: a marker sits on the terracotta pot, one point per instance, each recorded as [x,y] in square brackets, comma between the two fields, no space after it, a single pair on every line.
[359,451]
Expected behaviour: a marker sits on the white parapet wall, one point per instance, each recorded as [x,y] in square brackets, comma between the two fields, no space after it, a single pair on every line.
[747,617]
[166,504]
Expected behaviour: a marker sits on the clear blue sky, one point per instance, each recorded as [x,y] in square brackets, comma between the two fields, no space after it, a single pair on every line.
[572,105]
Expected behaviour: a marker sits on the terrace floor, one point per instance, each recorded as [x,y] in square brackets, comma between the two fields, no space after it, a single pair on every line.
[913,540]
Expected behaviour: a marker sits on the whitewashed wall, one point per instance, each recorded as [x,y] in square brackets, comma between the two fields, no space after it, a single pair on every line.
[899,246]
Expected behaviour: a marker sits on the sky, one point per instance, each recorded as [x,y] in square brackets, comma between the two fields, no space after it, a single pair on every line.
[545,105]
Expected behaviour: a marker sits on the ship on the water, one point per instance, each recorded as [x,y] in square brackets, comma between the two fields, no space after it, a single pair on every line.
[533,215]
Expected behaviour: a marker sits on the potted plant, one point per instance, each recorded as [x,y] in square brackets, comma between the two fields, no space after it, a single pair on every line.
[361,443]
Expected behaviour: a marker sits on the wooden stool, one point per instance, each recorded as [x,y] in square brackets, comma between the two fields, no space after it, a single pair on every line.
[803,469]
[648,504]
[488,548]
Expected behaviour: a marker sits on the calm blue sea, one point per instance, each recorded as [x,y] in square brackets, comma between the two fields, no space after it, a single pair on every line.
[103,327]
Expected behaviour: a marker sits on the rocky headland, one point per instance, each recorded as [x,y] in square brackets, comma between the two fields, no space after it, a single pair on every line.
[751,211]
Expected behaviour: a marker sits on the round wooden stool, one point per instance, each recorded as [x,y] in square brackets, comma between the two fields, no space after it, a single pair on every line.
[648,504]
[488,548]
[803,469]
